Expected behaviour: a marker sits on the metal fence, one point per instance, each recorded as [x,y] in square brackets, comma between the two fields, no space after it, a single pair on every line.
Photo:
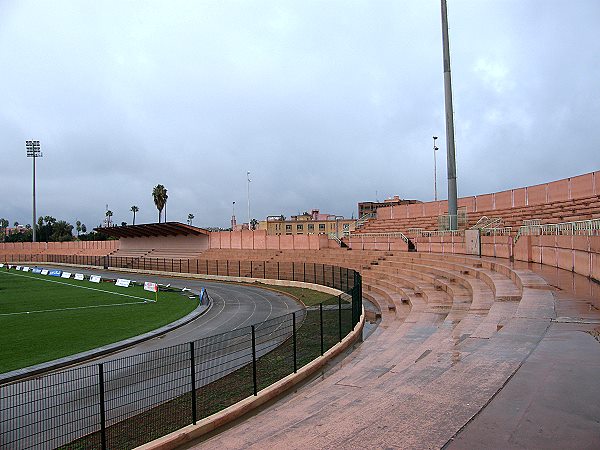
[129,401]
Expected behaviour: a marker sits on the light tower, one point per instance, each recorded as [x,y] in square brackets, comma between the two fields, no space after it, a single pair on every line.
[33,151]
[435,149]
[451,153]
[249,180]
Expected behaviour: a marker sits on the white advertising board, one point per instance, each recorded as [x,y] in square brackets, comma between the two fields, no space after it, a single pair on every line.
[44,272]
[18,267]
[25,269]
[78,276]
[152,287]
[122,282]
[95,278]
[66,275]
[1,265]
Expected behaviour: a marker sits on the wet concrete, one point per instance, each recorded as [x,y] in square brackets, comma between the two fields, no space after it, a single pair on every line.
[553,401]
[430,383]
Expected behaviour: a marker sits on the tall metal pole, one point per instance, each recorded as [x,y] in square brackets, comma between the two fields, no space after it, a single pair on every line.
[33,151]
[34,212]
[248,177]
[451,158]
[435,149]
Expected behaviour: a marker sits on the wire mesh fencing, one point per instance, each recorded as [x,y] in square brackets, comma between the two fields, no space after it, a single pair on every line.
[126,402]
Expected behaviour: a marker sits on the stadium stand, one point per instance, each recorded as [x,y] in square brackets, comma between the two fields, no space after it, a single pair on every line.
[455,328]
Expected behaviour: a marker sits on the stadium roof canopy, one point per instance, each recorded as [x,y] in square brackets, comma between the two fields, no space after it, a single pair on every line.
[152,230]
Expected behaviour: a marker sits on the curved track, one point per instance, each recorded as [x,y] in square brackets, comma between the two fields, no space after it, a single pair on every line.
[72,397]
[233,306]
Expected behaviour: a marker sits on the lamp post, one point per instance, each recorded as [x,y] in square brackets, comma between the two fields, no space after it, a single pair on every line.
[33,151]
[435,149]
[248,177]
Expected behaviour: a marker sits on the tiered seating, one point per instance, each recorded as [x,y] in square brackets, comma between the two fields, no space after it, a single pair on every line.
[131,253]
[453,330]
[174,253]
[558,211]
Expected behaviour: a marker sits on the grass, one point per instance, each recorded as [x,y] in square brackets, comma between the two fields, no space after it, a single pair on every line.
[102,314]
[307,296]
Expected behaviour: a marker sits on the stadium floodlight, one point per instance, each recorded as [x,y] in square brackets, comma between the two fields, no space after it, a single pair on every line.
[450,148]
[33,151]
[435,149]
[249,180]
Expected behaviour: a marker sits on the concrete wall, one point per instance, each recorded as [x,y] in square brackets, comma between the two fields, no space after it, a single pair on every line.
[359,242]
[260,240]
[497,246]
[580,254]
[572,188]
[34,247]
[199,243]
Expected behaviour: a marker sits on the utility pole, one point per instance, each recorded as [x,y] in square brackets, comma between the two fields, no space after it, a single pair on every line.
[33,151]
[450,154]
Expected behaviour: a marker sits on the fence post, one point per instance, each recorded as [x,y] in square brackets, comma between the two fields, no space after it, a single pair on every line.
[251,274]
[304,279]
[294,342]
[102,407]
[332,277]
[264,269]
[278,270]
[193,381]
[293,271]
[340,315]
[315,271]
[321,320]
[254,380]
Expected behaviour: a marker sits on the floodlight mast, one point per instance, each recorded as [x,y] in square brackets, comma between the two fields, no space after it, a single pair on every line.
[33,151]
[435,149]
[450,154]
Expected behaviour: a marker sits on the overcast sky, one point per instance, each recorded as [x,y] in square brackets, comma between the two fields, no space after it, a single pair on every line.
[326,103]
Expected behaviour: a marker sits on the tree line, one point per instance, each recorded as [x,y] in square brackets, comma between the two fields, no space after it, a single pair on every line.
[48,229]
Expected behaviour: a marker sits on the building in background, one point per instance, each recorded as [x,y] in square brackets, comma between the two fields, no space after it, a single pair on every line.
[308,223]
[369,209]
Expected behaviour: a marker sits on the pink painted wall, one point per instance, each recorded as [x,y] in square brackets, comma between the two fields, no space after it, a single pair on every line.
[199,243]
[580,254]
[359,242]
[581,186]
[258,240]
[29,247]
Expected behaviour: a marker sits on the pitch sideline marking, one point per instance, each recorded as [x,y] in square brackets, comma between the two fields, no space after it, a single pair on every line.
[145,300]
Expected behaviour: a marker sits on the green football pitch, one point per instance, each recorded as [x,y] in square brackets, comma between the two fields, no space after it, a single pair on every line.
[43,317]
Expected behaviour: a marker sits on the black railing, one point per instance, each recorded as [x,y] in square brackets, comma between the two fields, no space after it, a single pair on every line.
[129,401]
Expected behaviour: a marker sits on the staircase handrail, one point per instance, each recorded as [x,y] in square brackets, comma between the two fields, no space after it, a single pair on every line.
[590,227]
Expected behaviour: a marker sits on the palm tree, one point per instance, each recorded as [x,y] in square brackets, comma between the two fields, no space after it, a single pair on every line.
[159,193]
[134,209]
[109,214]
[78,227]
[190,218]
